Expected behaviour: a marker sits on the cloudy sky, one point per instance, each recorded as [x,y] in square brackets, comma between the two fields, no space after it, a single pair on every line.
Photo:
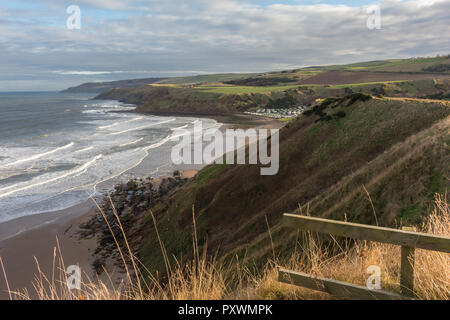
[123,39]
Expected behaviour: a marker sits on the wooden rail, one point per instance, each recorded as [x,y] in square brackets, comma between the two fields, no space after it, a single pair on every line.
[407,238]
[403,238]
[334,287]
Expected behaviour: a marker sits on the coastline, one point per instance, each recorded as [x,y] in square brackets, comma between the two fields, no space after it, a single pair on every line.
[230,120]
[27,237]
[18,251]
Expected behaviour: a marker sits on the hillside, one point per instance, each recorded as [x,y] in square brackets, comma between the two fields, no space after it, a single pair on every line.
[225,99]
[411,65]
[98,87]
[397,150]
[426,78]
[199,100]
[363,72]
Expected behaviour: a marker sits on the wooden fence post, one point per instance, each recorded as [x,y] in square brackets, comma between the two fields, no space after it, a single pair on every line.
[407,238]
[407,268]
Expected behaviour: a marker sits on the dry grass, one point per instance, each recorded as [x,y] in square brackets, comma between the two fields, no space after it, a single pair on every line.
[345,262]
[433,268]
[205,278]
[199,279]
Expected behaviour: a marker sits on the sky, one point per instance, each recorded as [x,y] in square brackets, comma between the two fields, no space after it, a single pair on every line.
[128,39]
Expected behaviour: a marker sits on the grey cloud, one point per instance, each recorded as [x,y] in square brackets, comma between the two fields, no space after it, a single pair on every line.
[174,38]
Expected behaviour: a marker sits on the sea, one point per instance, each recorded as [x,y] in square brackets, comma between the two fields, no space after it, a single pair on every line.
[58,150]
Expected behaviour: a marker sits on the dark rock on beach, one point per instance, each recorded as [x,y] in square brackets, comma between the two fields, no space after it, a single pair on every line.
[120,212]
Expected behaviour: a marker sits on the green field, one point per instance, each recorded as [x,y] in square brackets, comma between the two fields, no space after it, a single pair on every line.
[245,89]
[349,85]
[208,78]
[393,65]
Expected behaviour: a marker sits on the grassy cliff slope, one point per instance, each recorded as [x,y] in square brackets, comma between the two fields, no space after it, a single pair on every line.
[396,150]
[225,99]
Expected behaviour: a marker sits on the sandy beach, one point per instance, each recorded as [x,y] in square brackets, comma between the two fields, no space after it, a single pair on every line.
[232,120]
[23,239]
[18,251]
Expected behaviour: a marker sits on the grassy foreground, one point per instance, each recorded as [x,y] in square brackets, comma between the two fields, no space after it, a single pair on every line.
[358,158]
[205,278]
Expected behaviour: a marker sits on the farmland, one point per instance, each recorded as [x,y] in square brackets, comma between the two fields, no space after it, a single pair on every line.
[238,93]
[245,89]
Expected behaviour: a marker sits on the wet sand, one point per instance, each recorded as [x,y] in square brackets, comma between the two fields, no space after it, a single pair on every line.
[231,120]
[24,238]
[18,250]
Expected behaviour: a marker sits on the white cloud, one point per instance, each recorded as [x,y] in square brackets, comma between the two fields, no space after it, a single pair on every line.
[167,37]
[82,73]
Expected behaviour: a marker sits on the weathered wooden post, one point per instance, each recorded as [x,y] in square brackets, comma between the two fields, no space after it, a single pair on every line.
[407,268]
[407,238]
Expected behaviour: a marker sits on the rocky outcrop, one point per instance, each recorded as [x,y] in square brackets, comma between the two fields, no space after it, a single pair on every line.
[129,202]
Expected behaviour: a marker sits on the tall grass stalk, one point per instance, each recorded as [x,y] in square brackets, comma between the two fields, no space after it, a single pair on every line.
[205,277]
